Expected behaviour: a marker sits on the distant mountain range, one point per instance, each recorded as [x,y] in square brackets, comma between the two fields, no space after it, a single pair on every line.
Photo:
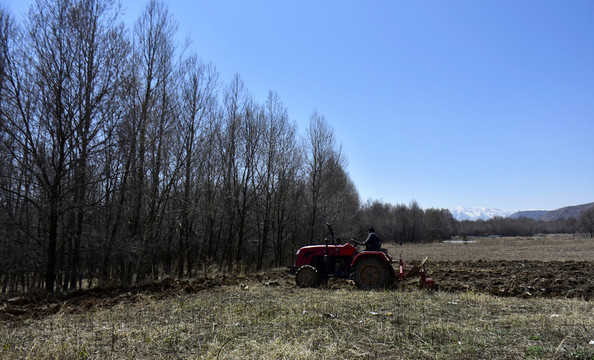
[530,214]
[465,213]
[562,213]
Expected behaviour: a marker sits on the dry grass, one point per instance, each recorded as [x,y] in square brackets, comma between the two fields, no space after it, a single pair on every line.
[263,322]
[543,248]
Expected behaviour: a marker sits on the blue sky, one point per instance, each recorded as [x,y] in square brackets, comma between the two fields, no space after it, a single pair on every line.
[450,103]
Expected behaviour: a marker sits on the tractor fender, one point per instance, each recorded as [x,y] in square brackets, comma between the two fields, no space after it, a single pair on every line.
[365,254]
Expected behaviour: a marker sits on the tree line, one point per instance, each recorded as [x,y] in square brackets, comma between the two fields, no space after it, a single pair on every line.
[410,223]
[125,158]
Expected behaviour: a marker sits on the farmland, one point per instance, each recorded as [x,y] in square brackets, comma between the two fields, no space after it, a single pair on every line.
[556,266]
[498,298]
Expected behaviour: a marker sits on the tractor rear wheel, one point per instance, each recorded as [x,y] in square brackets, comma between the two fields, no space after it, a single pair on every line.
[307,276]
[371,273]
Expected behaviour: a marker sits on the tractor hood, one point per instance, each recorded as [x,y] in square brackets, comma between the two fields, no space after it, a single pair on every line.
[305,253]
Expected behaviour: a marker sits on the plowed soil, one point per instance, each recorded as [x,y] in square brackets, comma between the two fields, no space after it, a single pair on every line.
[549,267]
[570,279]
[560,266]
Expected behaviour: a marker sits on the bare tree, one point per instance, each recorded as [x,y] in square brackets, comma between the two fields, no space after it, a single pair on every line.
[325,171]
[211,187]
[288,207]
[439,223]
[275,128]
[6,30]
[150,117]
[198,102]
[9,263]
[60,84]
[239,142]
[98,72]
[586,221]
[379,215]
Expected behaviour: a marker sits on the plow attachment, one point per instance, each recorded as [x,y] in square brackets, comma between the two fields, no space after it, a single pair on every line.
[420,270]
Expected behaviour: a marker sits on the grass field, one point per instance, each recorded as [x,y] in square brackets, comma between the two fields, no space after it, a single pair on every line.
[267,317]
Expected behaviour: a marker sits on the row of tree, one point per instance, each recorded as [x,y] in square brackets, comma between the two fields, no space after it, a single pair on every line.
[517,227]
[402,223]
[122,160]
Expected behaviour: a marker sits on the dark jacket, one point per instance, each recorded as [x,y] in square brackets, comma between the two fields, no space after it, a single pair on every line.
[373,242]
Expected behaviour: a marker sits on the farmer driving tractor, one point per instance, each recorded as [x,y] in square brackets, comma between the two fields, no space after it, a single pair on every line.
[373,242]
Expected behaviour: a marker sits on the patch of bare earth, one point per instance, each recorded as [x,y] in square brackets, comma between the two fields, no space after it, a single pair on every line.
[550,266]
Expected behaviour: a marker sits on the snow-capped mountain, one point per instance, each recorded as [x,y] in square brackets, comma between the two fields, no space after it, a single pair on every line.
[465,213]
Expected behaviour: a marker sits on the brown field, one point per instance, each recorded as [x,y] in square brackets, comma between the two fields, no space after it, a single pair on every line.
[511,298]
[558,247]
[543,266]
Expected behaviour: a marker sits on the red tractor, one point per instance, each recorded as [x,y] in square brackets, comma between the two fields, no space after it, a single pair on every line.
[368,269]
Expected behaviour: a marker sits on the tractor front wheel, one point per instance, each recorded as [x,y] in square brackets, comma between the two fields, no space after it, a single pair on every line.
[307,276]
[370,273]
